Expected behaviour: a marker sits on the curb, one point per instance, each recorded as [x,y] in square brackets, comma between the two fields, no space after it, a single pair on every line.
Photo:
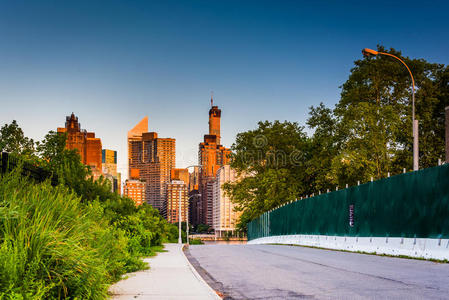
[198,276]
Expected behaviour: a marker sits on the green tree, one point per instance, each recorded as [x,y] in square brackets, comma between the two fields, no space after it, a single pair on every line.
[270,160]
[52,148]
[13,140]
[432,98]
[202,228]
[367,134]
[324,146]
[374,118]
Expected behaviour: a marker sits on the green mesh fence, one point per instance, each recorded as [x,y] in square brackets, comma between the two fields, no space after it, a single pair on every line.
[414,204]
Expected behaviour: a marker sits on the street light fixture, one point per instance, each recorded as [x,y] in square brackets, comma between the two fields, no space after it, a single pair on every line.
[180,212]
[370,52]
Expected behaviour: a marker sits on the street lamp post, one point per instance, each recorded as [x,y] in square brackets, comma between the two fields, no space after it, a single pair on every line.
[369,52]
[180,213]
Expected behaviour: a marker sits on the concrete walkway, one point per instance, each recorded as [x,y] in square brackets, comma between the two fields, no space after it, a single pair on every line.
[170,277]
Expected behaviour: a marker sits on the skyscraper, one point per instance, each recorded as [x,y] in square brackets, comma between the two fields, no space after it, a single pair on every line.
[88,146]
[175,189]
[224,215]
[109,168]
[151,159]
[211,155]
[194,197]
[194,179]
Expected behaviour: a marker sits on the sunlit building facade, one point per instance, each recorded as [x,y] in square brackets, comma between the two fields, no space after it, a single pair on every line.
[180,174]
[135,189]
[212,156]
[224,215]
[87,145]
[109,168]
[176,190]
[151,159]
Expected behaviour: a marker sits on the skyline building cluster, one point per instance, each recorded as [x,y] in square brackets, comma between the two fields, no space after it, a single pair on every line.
[153,177]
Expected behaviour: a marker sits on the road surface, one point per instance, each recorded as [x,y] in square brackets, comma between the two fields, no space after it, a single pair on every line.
[290,272]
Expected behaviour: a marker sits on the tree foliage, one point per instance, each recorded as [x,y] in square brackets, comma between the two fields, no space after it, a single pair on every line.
[367,135]
[270,160]
[13,140]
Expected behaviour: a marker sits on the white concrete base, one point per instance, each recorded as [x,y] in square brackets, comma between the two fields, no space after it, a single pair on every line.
[413,247]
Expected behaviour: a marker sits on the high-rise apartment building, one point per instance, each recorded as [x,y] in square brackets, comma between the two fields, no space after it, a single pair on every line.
[224,215]
[194,179]
[151,159]
[135,189]
[88,146]
[211,155]
[109,168]
[176,190]
[180,174]
[195,207]
[194,197]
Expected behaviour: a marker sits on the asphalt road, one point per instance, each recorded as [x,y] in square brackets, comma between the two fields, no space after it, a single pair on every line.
[289,272]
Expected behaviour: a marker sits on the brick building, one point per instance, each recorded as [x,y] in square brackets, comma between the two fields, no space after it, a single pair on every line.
[135,189]
[88,146]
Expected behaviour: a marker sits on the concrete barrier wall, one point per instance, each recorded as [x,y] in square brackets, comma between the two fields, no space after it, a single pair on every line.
[412,247]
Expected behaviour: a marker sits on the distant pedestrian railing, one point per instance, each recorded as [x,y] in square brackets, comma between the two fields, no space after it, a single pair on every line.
[410,205]
[9,162]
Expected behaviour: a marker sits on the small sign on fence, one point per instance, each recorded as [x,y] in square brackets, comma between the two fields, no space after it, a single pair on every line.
[351,215]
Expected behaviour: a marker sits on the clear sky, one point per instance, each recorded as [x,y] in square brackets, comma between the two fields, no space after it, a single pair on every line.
[113,62]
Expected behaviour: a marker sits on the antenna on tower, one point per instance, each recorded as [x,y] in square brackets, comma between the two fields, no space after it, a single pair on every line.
[212,98]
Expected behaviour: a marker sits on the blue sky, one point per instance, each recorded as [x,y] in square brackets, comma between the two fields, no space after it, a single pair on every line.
[113,62]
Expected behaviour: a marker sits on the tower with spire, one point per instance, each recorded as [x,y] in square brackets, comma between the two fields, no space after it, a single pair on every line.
[211,155]
[214,120]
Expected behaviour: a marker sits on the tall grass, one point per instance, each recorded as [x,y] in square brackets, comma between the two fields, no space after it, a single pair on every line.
[54,245]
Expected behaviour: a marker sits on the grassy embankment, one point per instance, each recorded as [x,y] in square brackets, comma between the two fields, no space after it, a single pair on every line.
[54,243]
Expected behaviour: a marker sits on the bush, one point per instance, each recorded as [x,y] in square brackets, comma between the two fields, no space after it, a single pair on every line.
[196,242]
[54,243]
[48,247]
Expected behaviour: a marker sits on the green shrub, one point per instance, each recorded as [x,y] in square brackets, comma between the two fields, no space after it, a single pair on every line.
[56,243]
[48,247]
[196,242]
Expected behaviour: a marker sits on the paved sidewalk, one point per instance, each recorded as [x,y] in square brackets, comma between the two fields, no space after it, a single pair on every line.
[170,277]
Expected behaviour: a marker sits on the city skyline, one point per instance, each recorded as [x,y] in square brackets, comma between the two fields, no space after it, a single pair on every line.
[112,65]
[228,149]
